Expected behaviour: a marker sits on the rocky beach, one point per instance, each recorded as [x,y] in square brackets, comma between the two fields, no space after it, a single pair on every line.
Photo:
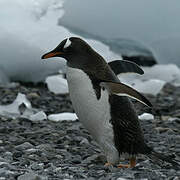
[47,150]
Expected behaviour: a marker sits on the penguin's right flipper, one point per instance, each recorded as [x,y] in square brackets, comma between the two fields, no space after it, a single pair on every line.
[121,89]
[123,66]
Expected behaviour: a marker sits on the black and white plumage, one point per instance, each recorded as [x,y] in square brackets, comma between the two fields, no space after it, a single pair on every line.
[98,98]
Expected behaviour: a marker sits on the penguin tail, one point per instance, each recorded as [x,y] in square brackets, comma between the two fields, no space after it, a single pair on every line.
[159,156]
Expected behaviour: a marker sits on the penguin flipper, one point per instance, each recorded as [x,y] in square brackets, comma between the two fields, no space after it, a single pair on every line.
[124,66]
[121,89]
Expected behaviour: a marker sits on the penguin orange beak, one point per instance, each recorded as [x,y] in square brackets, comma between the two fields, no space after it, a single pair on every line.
[51,54]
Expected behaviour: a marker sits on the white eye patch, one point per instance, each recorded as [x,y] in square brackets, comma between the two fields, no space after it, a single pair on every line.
[68,43]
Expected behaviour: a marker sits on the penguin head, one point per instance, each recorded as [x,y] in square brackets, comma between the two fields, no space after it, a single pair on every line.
[76,51]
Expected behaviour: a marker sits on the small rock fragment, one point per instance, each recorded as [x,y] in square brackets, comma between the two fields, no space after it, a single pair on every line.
[30,176]
[24,146]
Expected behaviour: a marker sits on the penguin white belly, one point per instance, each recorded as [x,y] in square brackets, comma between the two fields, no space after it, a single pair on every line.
[93,113]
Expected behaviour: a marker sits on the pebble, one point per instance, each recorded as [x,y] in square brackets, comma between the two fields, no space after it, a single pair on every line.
[37,166]
[8,155]
[161,129]
[24,146]
[32,95]
[31,151]
[30,176]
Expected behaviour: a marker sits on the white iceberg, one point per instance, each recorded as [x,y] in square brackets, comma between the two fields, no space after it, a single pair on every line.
[66,116]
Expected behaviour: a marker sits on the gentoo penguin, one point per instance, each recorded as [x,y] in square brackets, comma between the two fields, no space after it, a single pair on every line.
[101,103]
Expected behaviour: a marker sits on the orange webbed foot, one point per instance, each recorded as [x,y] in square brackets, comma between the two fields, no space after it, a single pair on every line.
[107,164]
[131,165]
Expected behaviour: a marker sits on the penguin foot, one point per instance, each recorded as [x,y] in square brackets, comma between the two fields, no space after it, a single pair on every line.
[123,166]
[131,165]
[108,164]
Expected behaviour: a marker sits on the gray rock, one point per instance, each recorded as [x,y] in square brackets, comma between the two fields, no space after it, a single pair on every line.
[31,176]
[8,155]
[24,146]
[37,166]
[6,173]
[31,151]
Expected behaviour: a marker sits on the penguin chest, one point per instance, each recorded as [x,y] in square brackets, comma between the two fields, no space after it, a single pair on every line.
[94,113]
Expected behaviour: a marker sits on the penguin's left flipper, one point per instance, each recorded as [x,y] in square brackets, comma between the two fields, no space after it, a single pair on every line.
[121,66]
[121,89]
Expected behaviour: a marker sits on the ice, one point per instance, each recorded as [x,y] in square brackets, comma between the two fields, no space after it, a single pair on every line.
[154,78]
[66,116]
[166,72]
[21,107]
[152,86]
[57,84]
[23,39]
[146,116]
[39,116]
[28,30]
[13,109]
